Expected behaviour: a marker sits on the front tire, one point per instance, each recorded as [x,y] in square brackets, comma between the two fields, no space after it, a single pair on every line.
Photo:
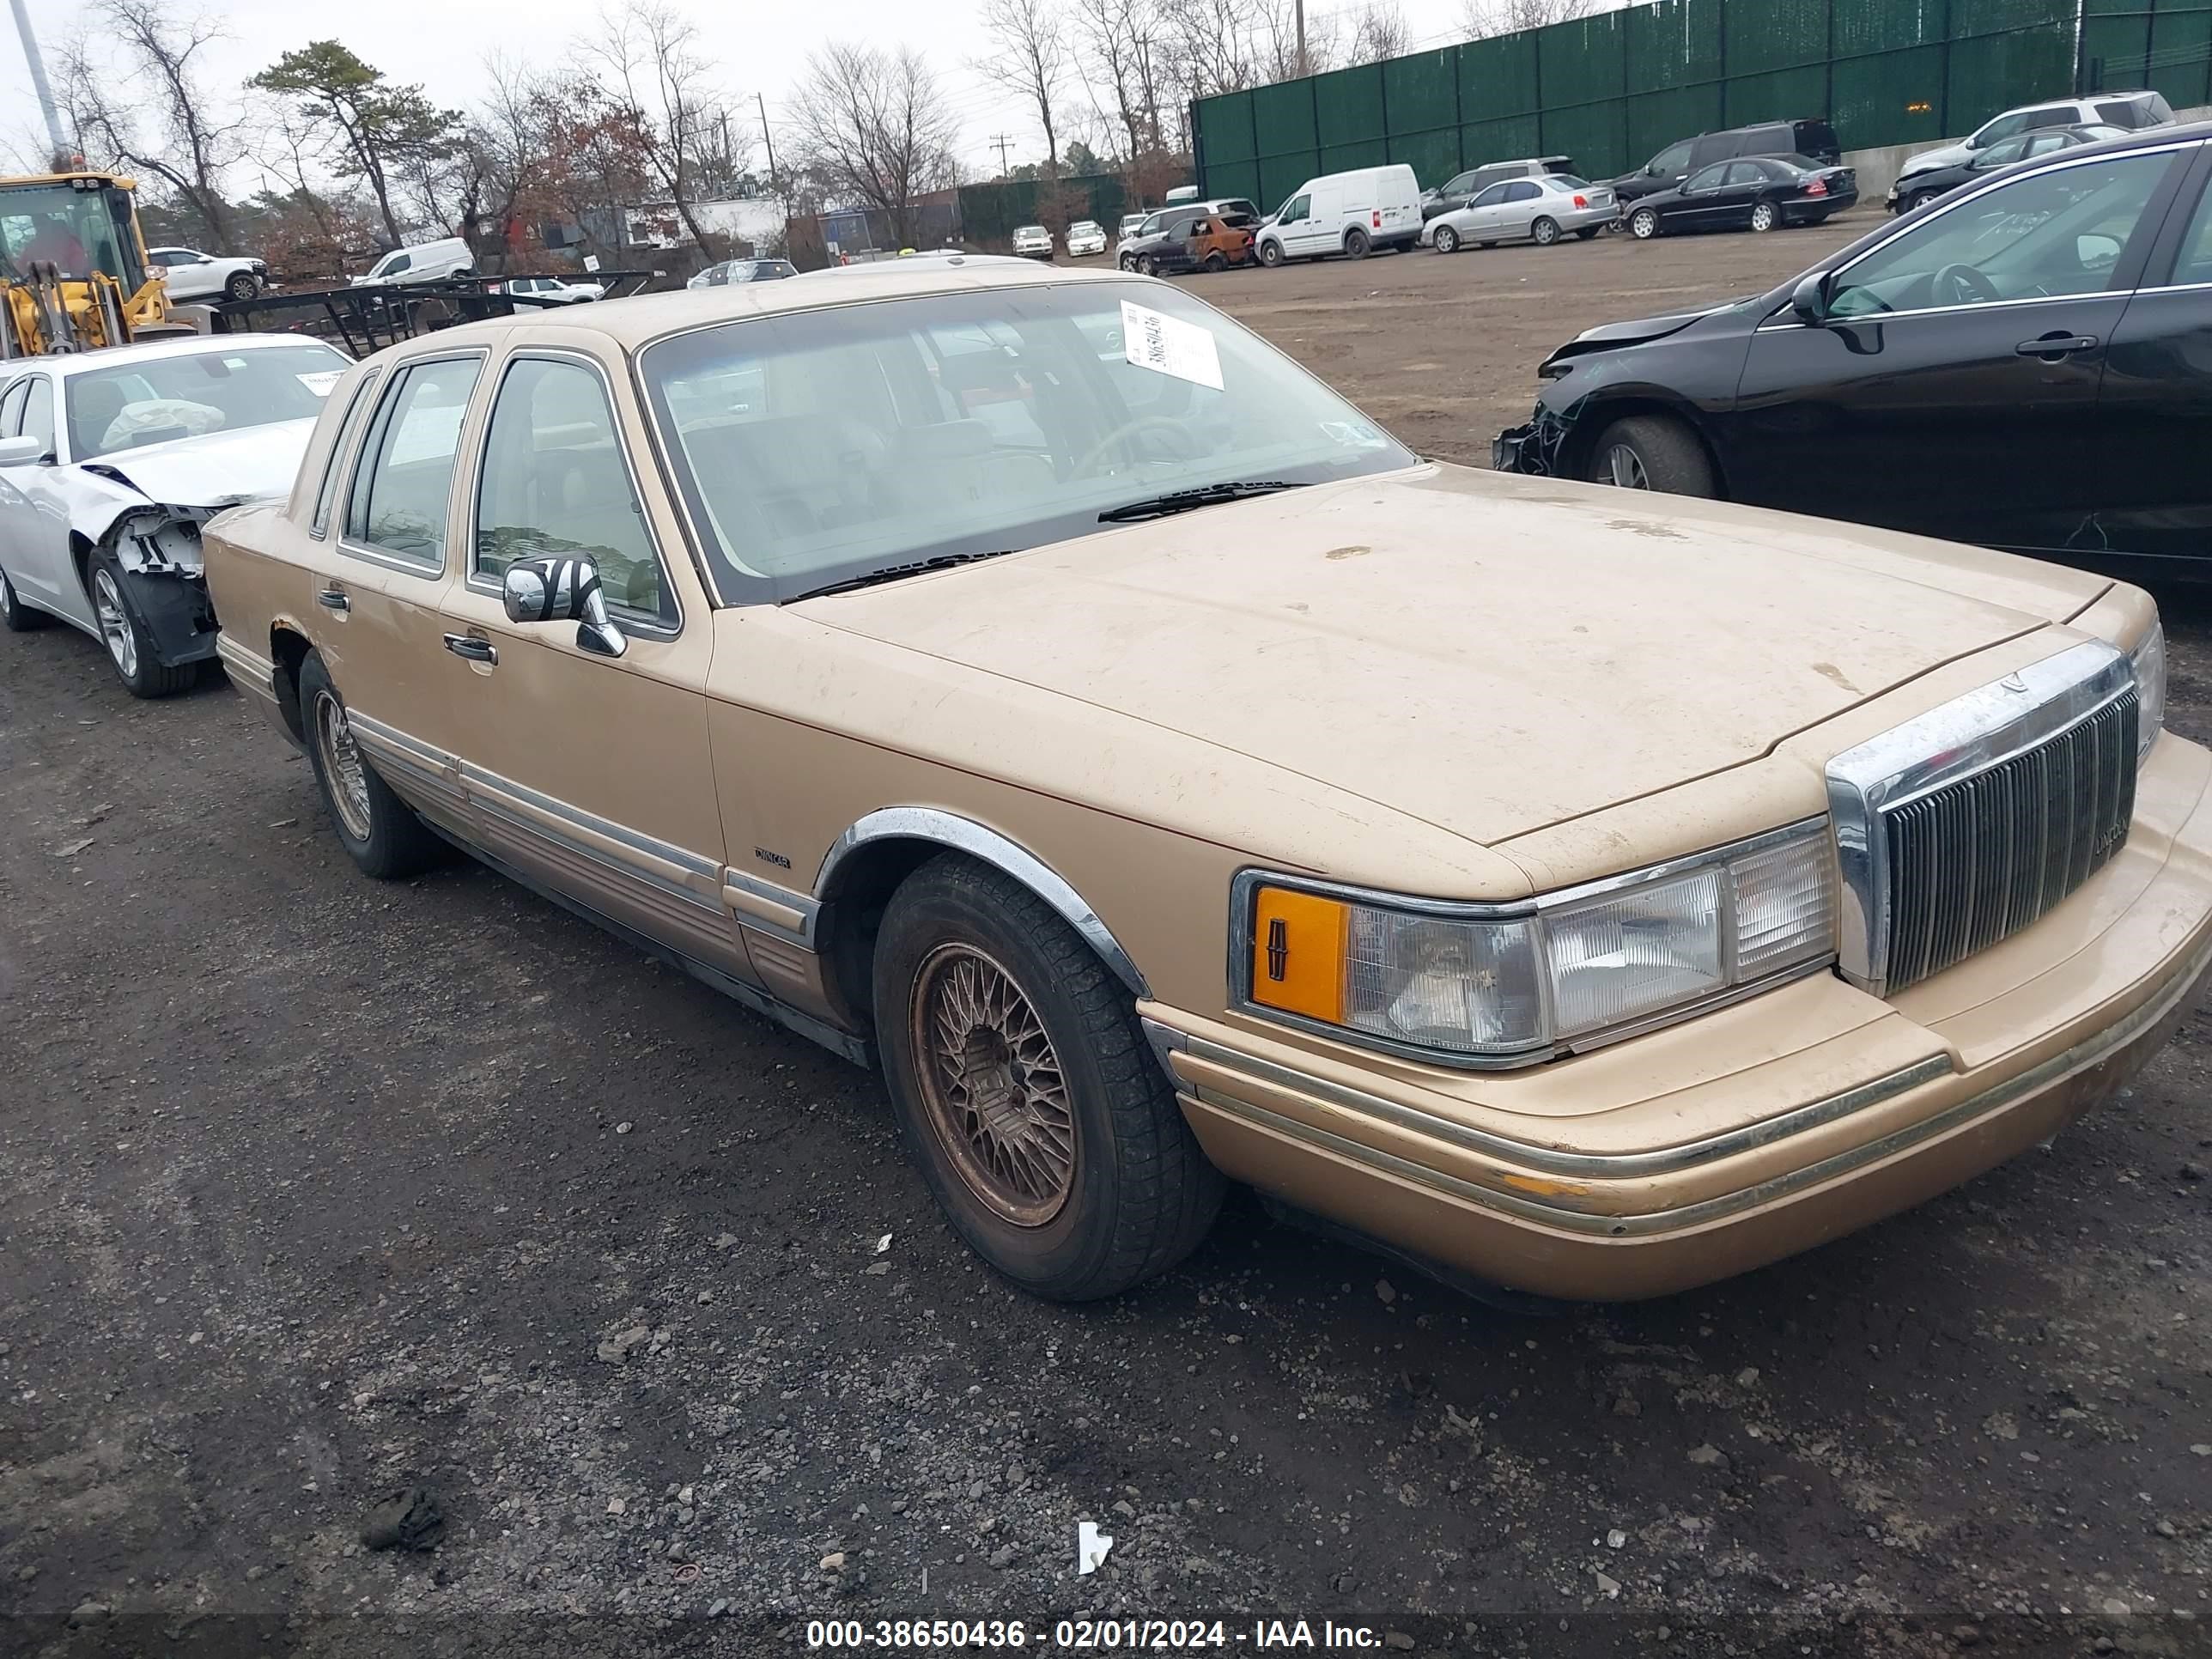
[1447,239]
[242,285]
[1652,451]
[1271,254]
[1764,216]
[378,831]
[1643,224]
[1920,198]
[130,648]
[14,616]
[1356,245]
[1026,1092]
[1545,231]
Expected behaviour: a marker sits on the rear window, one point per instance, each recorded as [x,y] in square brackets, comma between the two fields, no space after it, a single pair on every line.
[1772,140]
[1569,181]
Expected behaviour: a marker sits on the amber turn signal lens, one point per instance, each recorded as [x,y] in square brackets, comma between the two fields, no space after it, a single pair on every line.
[1299,943]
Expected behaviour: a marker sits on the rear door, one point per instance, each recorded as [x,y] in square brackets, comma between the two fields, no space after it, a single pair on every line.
[2155,405]
[1517,210]
[1954,390]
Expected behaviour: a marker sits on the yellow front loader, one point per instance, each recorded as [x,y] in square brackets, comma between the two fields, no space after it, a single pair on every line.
[73,269]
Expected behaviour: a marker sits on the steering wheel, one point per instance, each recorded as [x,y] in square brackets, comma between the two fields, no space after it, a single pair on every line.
[1962,285]
[1097,453]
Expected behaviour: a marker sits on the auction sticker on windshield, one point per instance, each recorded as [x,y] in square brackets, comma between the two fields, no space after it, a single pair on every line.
[320,382]
[1167,345]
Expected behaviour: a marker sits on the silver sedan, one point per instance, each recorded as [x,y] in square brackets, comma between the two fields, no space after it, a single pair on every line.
[1540,210]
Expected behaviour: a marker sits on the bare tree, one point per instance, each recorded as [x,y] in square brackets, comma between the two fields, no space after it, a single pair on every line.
[649,54]
[196,140]
[1277,42]
[1480,19]
[1030,58]
[1379,32]
[875,124]
[1210,46]
[1122,50]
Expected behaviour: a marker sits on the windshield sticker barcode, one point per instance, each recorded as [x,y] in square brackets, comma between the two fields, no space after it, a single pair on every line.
[1167,345]
[320,382]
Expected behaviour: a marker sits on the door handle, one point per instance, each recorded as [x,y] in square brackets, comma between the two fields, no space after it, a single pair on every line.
[473,649]
[334,599]
[2056,345]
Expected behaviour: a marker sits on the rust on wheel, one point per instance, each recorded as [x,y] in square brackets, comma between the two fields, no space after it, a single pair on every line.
[991,1085]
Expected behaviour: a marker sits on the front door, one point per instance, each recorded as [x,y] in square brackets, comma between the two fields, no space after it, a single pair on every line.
[590,773]
[1953,390]
[34,519]
[2155,405]
[1485,213]
[1702,202]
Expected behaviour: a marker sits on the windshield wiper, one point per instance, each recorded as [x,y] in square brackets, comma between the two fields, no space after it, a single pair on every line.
[892,573]
[1181,501]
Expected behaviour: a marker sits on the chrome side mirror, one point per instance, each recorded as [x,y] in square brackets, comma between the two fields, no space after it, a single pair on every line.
[1809,299]
[563,589]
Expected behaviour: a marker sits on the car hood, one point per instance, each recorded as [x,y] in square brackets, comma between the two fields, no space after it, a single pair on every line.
[1636,331]
[1488,654]
[1949,155]
[220,469]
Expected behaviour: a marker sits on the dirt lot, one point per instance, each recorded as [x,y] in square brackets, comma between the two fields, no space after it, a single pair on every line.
[311,1189]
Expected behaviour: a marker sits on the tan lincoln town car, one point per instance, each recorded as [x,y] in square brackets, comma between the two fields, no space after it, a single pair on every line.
[1030,680]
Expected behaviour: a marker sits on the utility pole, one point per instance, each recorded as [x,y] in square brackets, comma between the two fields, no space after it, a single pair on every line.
[1301,36]
[39,82]
[766,138]
[998,141]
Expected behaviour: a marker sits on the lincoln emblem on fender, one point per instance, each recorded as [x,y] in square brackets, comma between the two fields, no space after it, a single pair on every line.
[1279,948]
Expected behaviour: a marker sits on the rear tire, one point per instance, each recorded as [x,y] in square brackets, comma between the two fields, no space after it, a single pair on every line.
[1764,216]
[1447,239]
[1588,231]
[1545,231]
[1149,265]
[1217,261]
[131,648]
[1356,245]
[14,616]
[1643,224]
[1026,1092]
[1652,451]
[378,831]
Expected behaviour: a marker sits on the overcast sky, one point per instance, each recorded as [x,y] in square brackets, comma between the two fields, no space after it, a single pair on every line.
[762,48]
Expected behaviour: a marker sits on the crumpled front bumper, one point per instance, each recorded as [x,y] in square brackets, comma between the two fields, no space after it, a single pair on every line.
[1531,447]
[1587,1184]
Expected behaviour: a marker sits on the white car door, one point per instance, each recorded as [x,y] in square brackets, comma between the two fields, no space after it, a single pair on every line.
[34,517]
[1518,208]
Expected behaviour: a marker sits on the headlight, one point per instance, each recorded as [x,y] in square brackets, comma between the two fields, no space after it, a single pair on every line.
[2150,660]
[1513,984]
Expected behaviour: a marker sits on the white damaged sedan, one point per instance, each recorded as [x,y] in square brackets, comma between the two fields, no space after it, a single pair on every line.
[112,461]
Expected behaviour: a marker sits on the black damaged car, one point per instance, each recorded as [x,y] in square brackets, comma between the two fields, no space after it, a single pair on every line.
[1757,192]
[2025,364]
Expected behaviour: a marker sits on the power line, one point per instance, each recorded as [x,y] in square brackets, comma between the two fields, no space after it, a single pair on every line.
[999,142]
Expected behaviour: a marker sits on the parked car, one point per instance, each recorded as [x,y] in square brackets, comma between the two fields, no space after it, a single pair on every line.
[1130,222]
[112,461]
[189,274]
[423,262]
[1541,210]
[1190,242]
[743,270]
[1607,949]
[553,290]
[2018,365]
[1086,236]
[2133,111]
[1347,213]
[1672,165]
[1761,193]
[1033,242]
[1461,188]
[1930,183]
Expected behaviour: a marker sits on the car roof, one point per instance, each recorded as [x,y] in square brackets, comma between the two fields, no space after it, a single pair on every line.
[68,364]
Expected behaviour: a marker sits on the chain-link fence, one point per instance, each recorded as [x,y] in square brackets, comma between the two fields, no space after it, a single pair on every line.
[1610,91]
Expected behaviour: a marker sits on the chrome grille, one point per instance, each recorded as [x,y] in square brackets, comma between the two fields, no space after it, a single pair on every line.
[1978,860]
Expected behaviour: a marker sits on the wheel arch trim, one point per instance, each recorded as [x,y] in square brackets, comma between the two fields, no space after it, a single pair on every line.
[963,834]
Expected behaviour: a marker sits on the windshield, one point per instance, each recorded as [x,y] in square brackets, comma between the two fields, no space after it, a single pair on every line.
[814,447]
[166,397]
[79,231]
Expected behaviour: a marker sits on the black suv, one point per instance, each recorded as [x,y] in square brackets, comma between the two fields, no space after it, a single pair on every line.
[1671,165]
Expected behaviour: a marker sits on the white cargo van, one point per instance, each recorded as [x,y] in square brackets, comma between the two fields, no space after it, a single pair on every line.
[1352,213]
[420,262]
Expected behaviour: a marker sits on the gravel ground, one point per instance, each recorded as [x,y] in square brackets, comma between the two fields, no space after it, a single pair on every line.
[313,1190]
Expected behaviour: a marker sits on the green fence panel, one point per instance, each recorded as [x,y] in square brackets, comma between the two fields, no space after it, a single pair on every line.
[1890,98]
[2114,8]
[1764,35]
[2180,56]
[1283,117]
[1348,106]
[1422,91]
[1225,129]
[1499,141]
[2114,50]
[1675,43]
[1434,156]
[1860,27]
[1342,158]
[1998,71]
[1595,135]
[1236,179]
[1581,62]
[1780,95]
[1496,77]
[1656,119]
[1973,18]
[1281,174]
